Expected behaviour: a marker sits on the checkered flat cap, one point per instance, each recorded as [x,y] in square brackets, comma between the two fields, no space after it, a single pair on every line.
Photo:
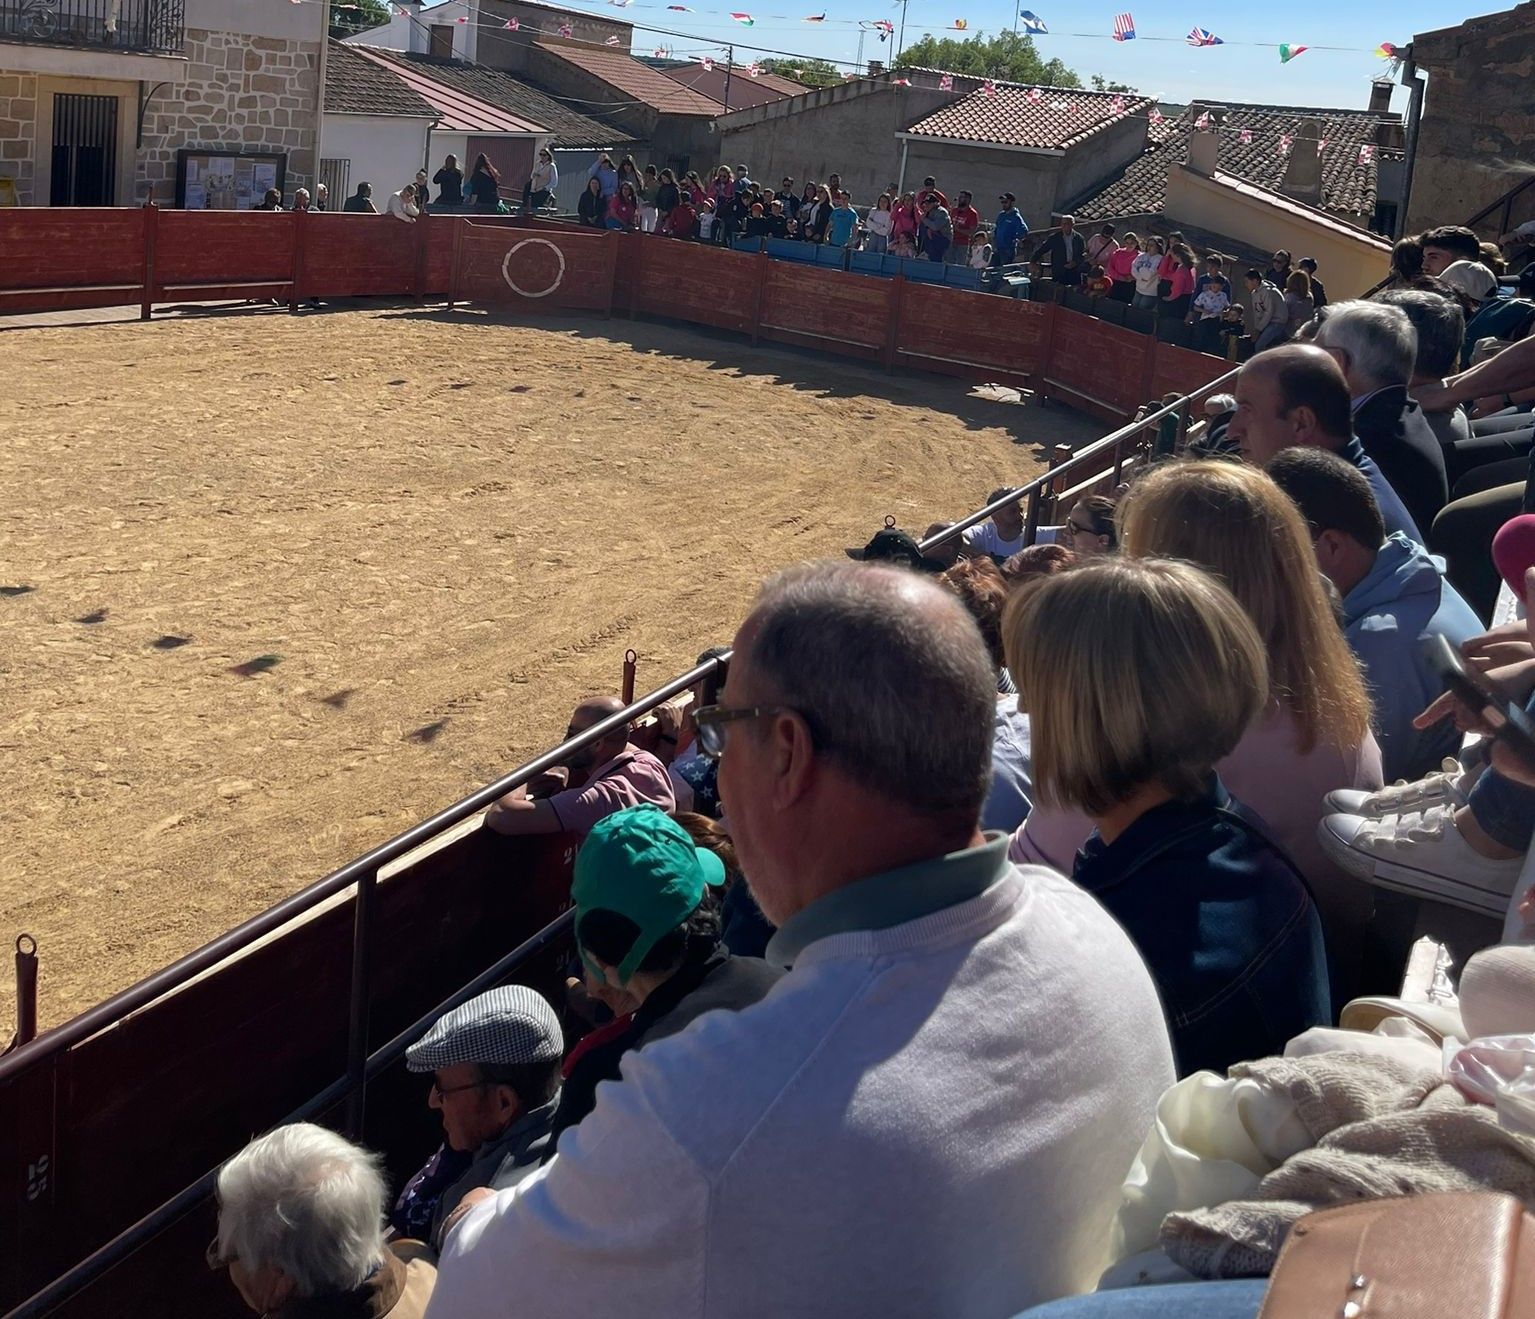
[509,1025]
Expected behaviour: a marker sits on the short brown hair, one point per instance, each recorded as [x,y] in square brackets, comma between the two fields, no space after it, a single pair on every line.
[1037,561]
[982,589]
[1096,653]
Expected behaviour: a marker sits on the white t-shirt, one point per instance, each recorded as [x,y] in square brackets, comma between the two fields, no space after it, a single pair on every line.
[985,539]
[1146,271]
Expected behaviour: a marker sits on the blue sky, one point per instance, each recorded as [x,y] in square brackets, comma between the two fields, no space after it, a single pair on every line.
[1172,70]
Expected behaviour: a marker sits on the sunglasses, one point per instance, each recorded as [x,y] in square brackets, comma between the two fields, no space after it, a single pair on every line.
[712,720]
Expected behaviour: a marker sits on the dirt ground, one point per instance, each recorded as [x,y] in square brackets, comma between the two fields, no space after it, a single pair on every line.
[436,533]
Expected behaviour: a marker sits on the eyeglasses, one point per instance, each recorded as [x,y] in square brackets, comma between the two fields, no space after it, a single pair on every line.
[454,1089]
[217,1260]
[1073,530]
[711,721]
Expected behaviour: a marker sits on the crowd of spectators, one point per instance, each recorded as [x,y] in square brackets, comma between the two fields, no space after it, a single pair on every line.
[916,971]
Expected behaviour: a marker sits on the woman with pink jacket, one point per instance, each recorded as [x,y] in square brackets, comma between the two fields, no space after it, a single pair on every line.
[903,225]
[1117,268]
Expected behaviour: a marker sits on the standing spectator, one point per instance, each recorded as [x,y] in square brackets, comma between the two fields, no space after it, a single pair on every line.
[937,230]
[539,189]
[1265,313]
[1180,286]
[645,190]
[966,220]
[485,184]
[623,208]
[271,201]
[1223,917]
[1446,245]
[840,1098]
[301,1231]
[301,200]
[628,172]
[722,188]
[1210,307]
[757,224]
[903,224]
[1101,246]
[778,223]
[1119,269]
[743,180]
[668,194]
[1406,264]
[321,197]
[1146,270]
[592,209]
[834,183]
[1318,291]
[1009,230]
[787,196]
[1001,535]
[879,223]
[682,220]
[613,774]
[842,226]
[423,191]
[1298,305]
[928,192]
[1214,268]
[1089,527]
[603,170]
[450,184]
[402,204]
[361,201]
[693,187]
[1278,272]
[1066,252]
[981,255]
[708,222]
[814,218]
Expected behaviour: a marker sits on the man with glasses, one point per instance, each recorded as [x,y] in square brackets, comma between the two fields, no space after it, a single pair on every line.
[933,1111]
[495,1065]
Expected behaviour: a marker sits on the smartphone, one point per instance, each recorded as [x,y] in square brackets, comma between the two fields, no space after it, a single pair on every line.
[1512,725]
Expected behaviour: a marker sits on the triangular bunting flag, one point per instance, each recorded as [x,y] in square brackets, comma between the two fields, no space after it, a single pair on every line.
[1321,145]
[1202,36]
[1154,116]
[1285,143]
[900,82]
[565,29]
[960,24]
[1203,122]
[1366,154]
[1287,52]
[1386,51]
[1033,96]
[946,83]
[988,88]
[1245,137]
[1033,23]
[745,20]
[612,41]
[512,25]
[1117,105]
[754,71]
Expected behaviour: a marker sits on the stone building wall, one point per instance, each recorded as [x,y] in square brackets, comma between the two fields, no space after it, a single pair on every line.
[18,129]
[242,92]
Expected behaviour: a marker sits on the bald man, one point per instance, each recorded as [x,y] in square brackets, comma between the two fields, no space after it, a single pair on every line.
[1296,396]
[605,776]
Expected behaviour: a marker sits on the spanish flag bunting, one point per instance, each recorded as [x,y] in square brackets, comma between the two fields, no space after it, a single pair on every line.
[512,25]
[946,83]
[1387,51]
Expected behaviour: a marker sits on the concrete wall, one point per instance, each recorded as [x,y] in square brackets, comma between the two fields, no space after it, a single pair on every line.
[848,130]
[384,150]
[1477,136]
[681,142]
[501,49]
[1090,162]
[1034,178]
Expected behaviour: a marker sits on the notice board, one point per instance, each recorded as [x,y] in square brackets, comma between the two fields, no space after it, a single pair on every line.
[227,180]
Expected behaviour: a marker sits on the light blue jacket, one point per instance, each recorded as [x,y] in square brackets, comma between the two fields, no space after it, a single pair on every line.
[1386,617]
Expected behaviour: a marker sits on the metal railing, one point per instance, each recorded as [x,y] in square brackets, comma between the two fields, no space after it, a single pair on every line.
[1085,468]
[150,26]
[1504,204]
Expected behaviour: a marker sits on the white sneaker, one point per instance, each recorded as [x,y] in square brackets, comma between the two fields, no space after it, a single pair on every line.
[1422,853]
[1444,784]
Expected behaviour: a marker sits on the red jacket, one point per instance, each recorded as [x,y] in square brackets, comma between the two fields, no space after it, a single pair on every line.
[622,210]
[681,219]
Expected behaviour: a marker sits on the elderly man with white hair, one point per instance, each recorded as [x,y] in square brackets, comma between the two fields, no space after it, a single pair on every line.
[301,1231]
[1376,348]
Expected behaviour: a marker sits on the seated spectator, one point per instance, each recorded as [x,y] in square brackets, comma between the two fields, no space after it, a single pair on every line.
[612,775]
[1393,600]
[270,201]
[695,776]
[623,208]
[1507,319]
[1221,914]
[981,588]
[1477,289]
[757,223]
[1314,733]
[1446,245]
[744,930]
[1098,284]
[648,932]
[682,220]
[361,201]
[777,221]
[592,208]
[1440,326]
[1318,290]
[495,1065]
[1296,395]
[1375,346]
[301,1231]
[1219,410]
[981,253]
[1089,527]
[878,1134]
[1001,534]
[946,553]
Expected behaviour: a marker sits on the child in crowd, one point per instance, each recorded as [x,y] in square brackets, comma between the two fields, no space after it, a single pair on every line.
[903,244]
[706,221]
[980,251]
[1098,283]
[879,223]
[1211,304]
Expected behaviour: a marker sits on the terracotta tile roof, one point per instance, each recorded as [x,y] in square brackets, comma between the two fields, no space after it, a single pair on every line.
[1348,187]
[355,85]
[636,81]
[745,91]
[1018,115]
[509,93]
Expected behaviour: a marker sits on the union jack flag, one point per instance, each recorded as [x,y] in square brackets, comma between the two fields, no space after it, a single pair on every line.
[946,83]
[1124,27]
[1202,36]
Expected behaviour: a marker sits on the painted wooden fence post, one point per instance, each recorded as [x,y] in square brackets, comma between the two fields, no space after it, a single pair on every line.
[763,260]
[459,226]
[151,237]
[895,300]
[300,226]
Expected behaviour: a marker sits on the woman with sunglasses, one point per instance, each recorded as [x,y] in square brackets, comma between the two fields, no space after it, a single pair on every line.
[1089,527]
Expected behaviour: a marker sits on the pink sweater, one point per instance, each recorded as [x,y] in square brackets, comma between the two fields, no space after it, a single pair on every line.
[1266,773]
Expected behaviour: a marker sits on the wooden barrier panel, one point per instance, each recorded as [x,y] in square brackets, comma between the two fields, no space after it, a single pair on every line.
[943,328]
[359,255]
[819,308]
[126,1119]
[1180,371]
[52,259]
[1097,366]
[504,264]
[223,249]
[690,282]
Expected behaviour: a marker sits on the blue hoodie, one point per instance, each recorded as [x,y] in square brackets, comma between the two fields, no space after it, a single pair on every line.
[1402,600]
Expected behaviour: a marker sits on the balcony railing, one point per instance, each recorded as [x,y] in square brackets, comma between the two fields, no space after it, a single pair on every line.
[149,26]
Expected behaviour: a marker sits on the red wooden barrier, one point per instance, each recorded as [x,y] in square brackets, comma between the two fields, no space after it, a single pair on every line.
[1180,371]
[819,308]
[52,260]
[1098,367]
[211,255]
[667,281]
[356,256]
[504,264]
[954,332]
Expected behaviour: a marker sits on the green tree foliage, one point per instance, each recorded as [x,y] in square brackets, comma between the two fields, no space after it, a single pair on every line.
[1006,55]
[1101,84]
[349,16]
[811,73]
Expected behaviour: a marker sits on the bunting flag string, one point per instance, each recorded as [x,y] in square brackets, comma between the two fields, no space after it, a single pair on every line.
[1202,36]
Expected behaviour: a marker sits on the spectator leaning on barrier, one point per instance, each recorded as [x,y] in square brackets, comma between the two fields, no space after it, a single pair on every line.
[361,201]
[878,1134]
[878,223]
[1266,319]
[301,1231]
[592,210]
[1001,534]
[612,775]
[495,1065]
[402,204]
[270,201]
[545,177]
[1066,253]
[450,183]
[484,184]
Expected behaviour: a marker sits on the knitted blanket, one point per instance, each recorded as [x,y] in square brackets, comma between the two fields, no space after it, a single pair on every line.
[1382,1129]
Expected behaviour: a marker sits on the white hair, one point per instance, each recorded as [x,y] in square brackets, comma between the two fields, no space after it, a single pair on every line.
[1379,340]
[309,1202]
[1219,403]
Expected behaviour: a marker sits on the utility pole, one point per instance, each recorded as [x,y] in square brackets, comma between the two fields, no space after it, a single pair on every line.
[900,41]
[730,59]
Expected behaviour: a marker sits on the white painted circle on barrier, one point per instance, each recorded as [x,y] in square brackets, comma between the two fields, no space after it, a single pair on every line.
[506,271]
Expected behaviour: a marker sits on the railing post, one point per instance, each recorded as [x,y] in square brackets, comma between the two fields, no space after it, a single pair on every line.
[300,224]
[151,237]
[360,1006]
[26,988]
[422,250]
[1031,520]
[636,270]
[631,662]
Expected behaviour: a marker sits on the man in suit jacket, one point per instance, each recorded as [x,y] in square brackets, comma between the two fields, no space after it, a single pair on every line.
[1375,345]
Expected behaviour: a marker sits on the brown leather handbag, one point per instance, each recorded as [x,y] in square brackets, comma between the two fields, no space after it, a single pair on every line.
[1450,1256]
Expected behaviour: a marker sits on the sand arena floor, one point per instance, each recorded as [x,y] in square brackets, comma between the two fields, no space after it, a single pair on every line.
[445,530]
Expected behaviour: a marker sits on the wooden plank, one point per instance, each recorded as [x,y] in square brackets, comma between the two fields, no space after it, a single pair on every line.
[13,301]
[691,282]
[356,256]
[1092,362]
[983,329]
[1177,370]
[46,247]
[227,247]
[828,306]
[549,269]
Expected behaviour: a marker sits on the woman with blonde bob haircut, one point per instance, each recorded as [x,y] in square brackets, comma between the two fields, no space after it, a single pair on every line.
[1314,734]
[1221,915]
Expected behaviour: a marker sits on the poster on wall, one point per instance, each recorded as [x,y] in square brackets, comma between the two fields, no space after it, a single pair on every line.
[227,180]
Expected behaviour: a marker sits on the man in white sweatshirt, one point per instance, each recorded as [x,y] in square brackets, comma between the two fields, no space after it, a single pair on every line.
[934,1110]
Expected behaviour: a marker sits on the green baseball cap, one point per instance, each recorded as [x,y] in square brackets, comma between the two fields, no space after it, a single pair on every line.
[643,865]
